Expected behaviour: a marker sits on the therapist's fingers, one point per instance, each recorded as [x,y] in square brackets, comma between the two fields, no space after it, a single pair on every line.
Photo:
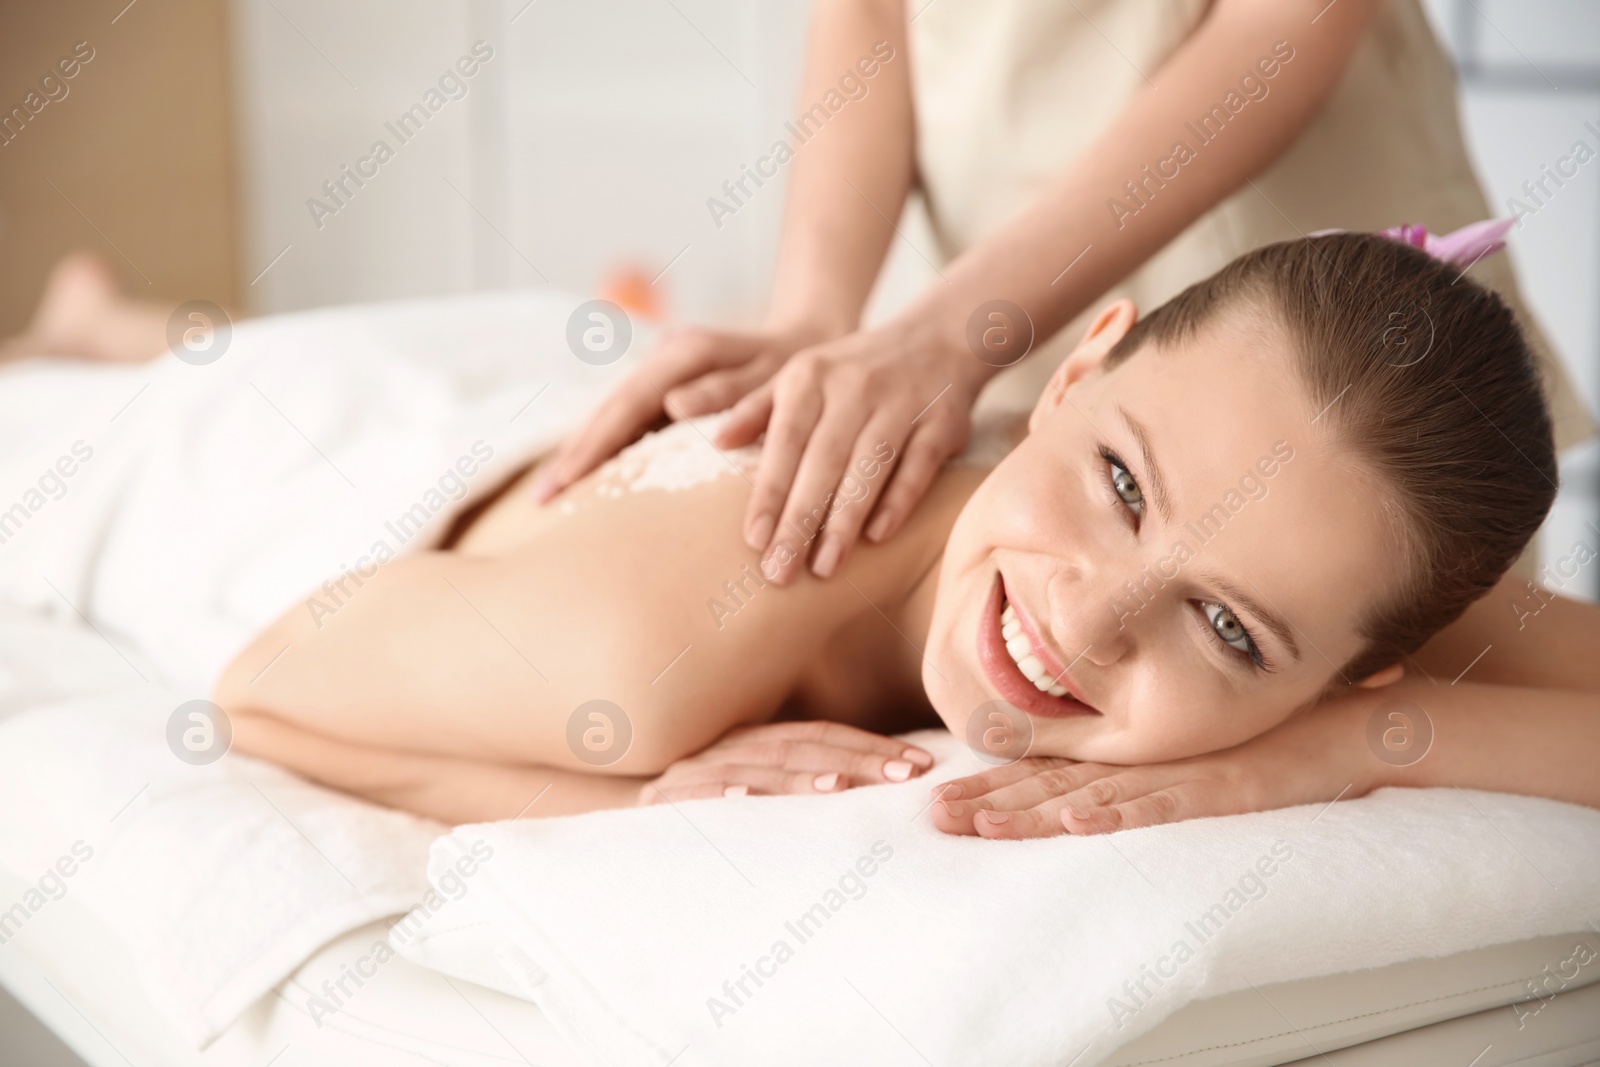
[812,502]
[621,418]
[721,389]
[935,439]
[748,419]
[797,405]
[867,470]
[639,402]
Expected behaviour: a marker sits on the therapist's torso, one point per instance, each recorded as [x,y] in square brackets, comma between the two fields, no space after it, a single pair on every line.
[1008,94]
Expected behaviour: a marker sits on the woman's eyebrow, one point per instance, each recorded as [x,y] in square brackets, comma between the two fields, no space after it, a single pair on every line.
[1152,472]
[1271,620]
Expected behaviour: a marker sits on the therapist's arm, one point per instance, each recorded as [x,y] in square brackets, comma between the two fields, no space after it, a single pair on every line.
[845,183]
[912,380]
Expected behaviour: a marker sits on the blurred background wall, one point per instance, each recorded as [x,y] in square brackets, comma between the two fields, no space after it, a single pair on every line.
[190,149]
[590,141]
[132,156]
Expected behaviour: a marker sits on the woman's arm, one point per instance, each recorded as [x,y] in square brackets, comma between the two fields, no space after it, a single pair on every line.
[1536,742]
[1518,635]
[788,757]
[446,788]
[1506,739]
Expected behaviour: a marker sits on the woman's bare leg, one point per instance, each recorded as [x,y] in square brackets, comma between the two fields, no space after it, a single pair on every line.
[84,314]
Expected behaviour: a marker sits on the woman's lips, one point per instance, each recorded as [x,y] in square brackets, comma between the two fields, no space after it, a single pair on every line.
[1002,670]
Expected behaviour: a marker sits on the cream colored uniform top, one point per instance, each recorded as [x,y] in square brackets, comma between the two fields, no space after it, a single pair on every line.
[1009,92]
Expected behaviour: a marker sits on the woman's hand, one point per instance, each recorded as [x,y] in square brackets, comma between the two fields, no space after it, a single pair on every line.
[1314,757]
[895,400]
[788,757]
[691,371]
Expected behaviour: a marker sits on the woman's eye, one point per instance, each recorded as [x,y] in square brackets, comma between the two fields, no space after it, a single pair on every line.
[1126,487]
[1231,630]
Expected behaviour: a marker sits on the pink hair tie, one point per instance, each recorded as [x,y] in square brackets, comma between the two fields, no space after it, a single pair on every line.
[1462,248]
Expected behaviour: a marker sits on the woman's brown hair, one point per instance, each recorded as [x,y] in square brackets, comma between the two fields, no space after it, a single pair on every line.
[1426,377]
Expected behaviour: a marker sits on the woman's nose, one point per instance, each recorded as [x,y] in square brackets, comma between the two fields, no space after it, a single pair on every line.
[1098,611]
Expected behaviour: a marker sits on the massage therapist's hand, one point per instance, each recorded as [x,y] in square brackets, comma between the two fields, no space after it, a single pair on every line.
[1310,759]
[691,371]
[894,400]
[787,757]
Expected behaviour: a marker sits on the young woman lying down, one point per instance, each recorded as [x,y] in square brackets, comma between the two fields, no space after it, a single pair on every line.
[1235,543]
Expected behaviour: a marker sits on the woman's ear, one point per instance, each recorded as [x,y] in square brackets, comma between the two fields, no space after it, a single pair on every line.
[1108,327]
[1388,676]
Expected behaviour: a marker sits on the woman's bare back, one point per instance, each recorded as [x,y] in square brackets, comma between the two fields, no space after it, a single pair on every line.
[635,588]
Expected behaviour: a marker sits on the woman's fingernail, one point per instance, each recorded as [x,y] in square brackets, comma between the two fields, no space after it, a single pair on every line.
[827,560]
[760,532]
[917,756]
[825,782]
[996,816]
[952,809]
[1078,814]
[736,791]
[897,770]
[878,529]
[948,791]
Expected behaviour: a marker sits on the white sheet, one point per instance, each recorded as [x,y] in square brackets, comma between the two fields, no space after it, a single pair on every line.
[971,951]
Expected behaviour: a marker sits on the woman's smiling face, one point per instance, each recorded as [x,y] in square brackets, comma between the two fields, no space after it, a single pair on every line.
[1178,552]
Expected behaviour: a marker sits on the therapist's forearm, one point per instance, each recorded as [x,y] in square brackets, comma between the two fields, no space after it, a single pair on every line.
[851,177]
[1023,261]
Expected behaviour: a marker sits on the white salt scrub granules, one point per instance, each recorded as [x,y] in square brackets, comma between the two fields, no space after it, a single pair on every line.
[679,456]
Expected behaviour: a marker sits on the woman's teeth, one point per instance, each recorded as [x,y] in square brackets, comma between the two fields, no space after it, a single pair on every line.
[1022,654]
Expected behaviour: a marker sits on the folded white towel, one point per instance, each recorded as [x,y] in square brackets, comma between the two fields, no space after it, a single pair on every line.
[846,929]
[221,880]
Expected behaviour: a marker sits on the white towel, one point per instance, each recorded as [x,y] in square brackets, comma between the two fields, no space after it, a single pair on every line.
[203,500]
[846,929]
[221,880]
